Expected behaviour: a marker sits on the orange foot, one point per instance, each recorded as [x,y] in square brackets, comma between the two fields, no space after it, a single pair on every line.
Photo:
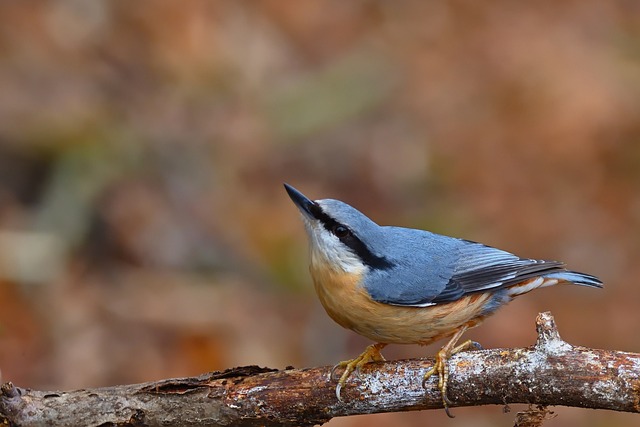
[442,368]
[370,354]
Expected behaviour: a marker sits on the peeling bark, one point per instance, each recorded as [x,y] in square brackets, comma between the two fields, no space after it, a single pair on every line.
[552,372]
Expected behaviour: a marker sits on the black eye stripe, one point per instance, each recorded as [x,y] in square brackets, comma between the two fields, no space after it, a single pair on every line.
[329,223]
[351,241]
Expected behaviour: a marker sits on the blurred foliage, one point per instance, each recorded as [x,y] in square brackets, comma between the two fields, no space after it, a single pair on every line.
[144,231]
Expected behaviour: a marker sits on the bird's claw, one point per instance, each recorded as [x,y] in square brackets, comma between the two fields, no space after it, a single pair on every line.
[338,389]
[441,366]
[474,345]
[370,354]
[342,364]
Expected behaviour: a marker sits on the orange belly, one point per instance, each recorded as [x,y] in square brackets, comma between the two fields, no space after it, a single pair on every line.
[351,307]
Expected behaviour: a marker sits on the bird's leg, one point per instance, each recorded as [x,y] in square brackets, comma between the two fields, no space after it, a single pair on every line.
[442,368]
[370,354]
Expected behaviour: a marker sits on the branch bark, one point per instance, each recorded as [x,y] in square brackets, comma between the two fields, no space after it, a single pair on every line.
[552,372]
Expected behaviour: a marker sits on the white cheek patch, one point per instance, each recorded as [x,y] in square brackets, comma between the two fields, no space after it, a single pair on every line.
[328,251]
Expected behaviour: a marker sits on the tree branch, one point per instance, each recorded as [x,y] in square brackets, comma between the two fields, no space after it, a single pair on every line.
[552,372]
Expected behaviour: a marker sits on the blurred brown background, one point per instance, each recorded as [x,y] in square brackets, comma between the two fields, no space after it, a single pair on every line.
[144,230]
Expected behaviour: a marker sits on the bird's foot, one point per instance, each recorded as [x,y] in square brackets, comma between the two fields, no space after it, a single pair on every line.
[370,354]
[441,367]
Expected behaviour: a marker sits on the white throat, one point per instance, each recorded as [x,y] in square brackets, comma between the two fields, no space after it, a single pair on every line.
[328,251]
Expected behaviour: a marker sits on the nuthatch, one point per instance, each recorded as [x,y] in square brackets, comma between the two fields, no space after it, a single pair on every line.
[405,286]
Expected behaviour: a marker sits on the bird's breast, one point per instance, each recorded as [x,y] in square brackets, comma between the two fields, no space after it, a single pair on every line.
[340,293]
[347,302]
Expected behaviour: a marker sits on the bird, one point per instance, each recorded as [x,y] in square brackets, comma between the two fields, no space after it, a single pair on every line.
[396,285]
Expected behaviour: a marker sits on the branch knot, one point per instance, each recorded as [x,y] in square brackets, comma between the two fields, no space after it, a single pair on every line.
[9,390]
[549,340]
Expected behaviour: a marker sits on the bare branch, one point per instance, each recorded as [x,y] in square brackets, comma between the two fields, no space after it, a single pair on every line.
[552,372]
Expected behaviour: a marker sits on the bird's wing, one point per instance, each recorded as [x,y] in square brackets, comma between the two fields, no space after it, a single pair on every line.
[451,269]
[480,267]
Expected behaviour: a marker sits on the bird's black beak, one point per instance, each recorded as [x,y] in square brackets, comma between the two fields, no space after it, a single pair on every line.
[307,206]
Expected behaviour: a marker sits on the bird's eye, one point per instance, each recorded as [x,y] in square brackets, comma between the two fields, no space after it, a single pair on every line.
[340,231]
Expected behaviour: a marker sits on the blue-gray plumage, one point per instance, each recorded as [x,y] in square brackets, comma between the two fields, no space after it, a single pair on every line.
[423,268]
[401,285]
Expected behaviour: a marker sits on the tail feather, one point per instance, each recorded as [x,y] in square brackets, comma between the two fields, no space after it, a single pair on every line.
[550,279]
[576,278]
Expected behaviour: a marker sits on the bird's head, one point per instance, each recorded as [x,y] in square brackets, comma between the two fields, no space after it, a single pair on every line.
[341,237]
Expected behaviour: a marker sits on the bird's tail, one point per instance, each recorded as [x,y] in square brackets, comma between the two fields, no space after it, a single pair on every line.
[576,278]
[554,278]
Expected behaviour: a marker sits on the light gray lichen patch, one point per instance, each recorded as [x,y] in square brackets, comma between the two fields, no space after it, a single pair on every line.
[555,347]
[374,384]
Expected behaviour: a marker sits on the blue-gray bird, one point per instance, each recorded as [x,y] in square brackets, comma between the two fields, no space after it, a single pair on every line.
[407,286]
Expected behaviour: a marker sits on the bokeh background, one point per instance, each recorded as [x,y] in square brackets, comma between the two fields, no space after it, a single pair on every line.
[144,230]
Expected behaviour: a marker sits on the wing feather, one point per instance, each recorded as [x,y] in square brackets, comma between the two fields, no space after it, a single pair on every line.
[482,267]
